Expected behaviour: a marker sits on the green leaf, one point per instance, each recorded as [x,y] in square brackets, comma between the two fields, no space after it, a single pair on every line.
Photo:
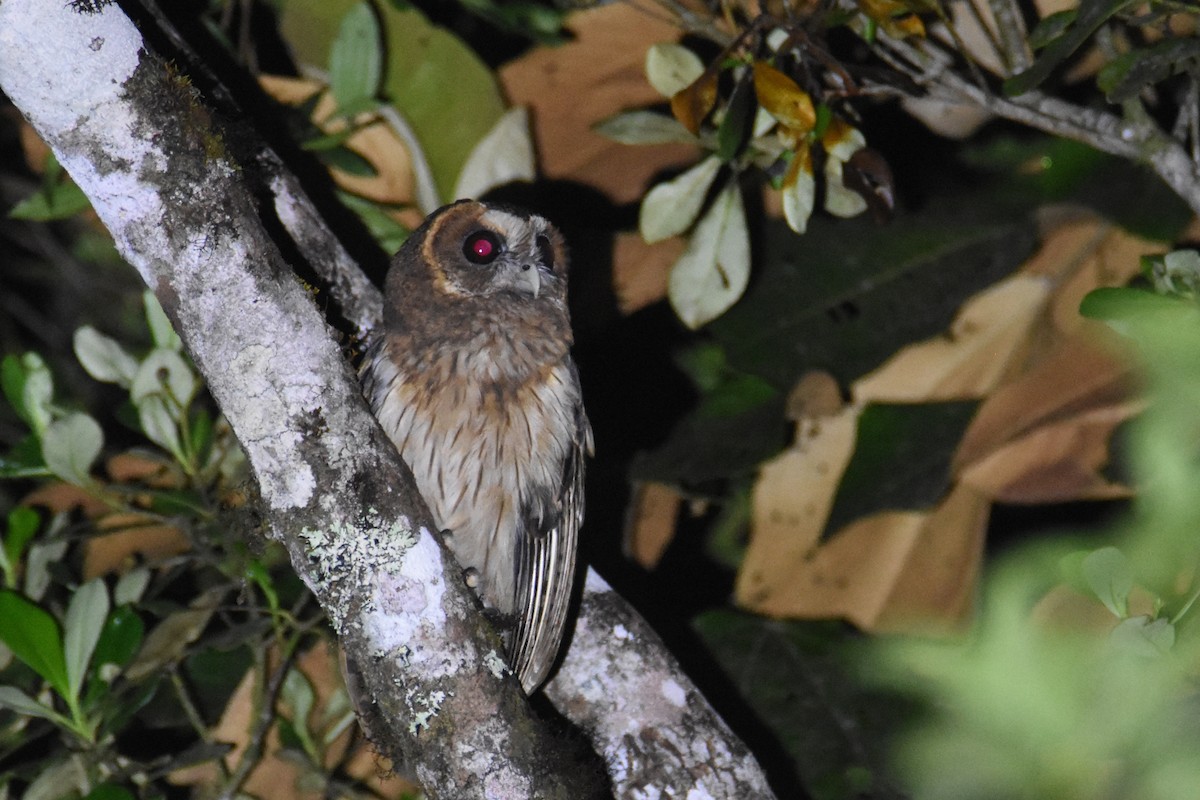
[799,679]
[120,638]
[346,160]
[71,445]
[671,68]
[735,127]
[644,127]
[24,460]
[103,357]
[201,429]
[1110,576]
[64,778]
[1119,307]
[56,199]
[1051,27]
[445,92]
[37,563]
[713,271]
[1126,76]
[840,201]
[799,196]
[902,457]
[86,615]
[161,332]
[848,293]
[23,524]
[29,388]
[671,207]
[389,233]
[503,156]
[356,57]
[297,693]
[13,698]
[1092,14]
[331,141]
[109,791]
[33,636]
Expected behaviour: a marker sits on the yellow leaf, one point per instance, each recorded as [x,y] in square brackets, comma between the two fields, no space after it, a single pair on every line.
[896,18]
[784,99]
[691,105]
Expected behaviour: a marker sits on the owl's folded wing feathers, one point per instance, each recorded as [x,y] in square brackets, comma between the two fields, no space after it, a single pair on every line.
[545,565]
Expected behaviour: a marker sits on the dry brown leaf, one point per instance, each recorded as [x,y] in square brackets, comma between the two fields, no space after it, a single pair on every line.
[65,497]
[133,542]
[651,525]
[816,394]
[1055,463]
[896,570]
[640,270]
[130,467]
[987,341]
[573,86]
[784,99]
[693,103]
[1079,377]
[935,589]
[792,500]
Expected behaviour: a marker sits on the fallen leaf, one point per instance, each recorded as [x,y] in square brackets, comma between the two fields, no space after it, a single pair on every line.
[791,503]
[986,343]
[935,589]
[651,525]
[573,86]
[1079,377]
[1057,463]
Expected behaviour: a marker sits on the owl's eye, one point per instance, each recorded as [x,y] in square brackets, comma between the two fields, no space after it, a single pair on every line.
[481,247]
[545,252]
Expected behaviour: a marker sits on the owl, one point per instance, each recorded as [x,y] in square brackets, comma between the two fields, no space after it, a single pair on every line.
[472,379]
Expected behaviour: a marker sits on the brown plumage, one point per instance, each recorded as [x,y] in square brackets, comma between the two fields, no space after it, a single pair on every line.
[473,380]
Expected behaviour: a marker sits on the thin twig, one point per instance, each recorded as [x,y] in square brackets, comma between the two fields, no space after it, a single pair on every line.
[262,726]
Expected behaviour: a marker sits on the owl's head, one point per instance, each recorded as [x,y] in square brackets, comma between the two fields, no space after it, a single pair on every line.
[473,249]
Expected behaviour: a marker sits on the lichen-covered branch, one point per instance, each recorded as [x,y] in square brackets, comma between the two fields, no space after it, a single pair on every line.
[136,138]
[653,728]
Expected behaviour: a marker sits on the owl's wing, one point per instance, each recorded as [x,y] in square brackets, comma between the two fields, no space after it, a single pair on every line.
[545,565]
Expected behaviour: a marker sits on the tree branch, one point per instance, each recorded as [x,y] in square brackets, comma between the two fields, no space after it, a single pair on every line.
[137,140]
[1141,141]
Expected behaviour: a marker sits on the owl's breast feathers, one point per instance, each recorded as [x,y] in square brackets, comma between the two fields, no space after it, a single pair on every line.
[491,422]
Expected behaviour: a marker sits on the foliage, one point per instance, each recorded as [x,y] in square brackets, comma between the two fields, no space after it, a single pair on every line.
[89,656]
[860,398]
[1032,705]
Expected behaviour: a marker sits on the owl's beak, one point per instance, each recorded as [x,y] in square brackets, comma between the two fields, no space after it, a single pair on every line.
[528,279]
